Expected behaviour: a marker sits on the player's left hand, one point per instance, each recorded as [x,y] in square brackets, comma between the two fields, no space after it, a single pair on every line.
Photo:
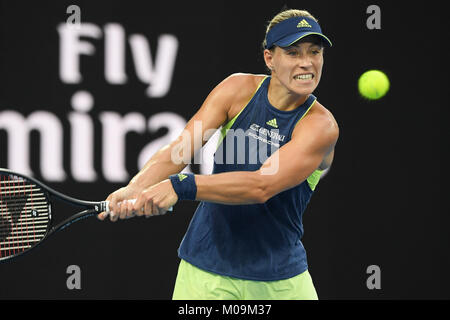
[155,200]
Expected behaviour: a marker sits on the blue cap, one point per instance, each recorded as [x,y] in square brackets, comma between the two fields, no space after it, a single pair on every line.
[288,31]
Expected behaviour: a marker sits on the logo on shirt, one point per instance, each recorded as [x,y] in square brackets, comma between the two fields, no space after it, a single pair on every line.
[182,176]
[272,137]
[272,123]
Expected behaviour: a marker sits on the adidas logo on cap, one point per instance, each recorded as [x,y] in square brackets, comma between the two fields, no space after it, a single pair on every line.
[303,24]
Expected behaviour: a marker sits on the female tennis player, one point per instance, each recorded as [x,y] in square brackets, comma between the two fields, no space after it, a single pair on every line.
[244,240]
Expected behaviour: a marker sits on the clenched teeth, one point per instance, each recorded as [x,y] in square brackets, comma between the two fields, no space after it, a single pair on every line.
[308,76]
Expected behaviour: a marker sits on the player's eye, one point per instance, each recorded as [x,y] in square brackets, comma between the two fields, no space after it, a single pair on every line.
[315,51]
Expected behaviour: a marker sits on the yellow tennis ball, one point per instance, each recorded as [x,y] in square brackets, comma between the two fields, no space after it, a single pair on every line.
[373,84]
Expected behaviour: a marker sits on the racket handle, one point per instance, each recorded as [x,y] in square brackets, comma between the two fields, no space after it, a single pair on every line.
[108,211]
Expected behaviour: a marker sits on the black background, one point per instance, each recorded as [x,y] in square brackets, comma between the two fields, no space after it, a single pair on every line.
[380,204]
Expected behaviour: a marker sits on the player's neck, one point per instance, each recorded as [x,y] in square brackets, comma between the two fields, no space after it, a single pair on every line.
[283,99]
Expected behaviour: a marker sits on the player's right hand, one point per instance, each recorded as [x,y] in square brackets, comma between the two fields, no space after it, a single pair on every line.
[118,206]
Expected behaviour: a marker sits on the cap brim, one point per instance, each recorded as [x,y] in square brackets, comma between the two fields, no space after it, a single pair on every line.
[291,39]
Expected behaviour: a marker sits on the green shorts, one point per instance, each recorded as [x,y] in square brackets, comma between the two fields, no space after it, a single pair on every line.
[193,283]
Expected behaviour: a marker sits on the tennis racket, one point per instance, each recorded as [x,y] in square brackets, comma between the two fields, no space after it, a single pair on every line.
[26,217]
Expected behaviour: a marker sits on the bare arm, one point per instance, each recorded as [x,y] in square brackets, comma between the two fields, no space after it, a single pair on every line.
[287,167]
[212,115]
[290,165]
[230,94]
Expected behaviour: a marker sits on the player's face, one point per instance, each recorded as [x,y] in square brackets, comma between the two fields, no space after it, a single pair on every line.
[298,67]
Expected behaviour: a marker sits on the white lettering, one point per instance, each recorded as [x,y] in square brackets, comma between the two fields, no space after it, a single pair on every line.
[115,54]
[71,47]
[206,311]
[115,127]
[159,74]
[18,132]
[82,138]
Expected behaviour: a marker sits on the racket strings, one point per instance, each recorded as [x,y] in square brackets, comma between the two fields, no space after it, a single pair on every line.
[24,215]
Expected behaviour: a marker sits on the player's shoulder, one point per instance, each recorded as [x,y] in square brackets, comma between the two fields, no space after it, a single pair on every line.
[242,84]
[320,119]
[236,90]
[321,113]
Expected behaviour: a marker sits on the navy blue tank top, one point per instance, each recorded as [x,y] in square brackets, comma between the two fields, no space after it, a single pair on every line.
[257,241]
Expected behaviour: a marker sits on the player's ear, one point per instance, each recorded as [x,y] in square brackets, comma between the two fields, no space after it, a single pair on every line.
[268,58]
